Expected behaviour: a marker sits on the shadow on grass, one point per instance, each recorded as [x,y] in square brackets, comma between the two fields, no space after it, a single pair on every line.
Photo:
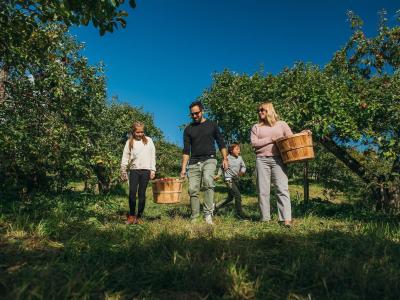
[96,263]
[178,211]
[249,191]
[343,211]
[80,258]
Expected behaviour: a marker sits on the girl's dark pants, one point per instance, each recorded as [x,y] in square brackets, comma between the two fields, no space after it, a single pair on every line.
[138,181]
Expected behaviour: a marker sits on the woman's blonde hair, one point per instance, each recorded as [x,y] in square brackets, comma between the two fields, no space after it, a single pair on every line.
[135,125]
[272,117]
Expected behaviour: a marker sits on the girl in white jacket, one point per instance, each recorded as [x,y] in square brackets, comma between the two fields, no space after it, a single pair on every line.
[139,161]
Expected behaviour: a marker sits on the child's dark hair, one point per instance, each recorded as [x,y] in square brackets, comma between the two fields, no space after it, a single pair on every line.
[196,103]
[233,146]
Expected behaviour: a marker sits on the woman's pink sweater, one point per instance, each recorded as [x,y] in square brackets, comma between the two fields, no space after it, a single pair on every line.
[263,137]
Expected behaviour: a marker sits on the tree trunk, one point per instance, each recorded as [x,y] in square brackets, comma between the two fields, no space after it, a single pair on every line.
[388,198]
[104,181]
[394,188]
[36,181]
[346,158]
[385,192]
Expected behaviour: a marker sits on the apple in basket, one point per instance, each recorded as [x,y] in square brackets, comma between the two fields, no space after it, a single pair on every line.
[165,179]
[168,179]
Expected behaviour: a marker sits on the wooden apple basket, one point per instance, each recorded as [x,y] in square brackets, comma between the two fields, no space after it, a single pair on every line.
[167,190]
[296,148]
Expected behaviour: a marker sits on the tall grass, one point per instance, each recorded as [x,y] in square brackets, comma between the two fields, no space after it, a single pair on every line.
[76,245]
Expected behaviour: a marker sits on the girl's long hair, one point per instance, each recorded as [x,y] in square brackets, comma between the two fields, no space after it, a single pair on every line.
[135,125]
[272,117]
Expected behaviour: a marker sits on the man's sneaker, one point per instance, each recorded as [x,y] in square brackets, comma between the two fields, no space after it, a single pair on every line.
[209,220]
[139,221]
[131,220]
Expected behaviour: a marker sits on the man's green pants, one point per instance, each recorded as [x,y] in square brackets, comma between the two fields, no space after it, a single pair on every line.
[201,177]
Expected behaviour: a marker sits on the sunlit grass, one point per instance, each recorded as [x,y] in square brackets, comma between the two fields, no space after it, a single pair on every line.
[76,245]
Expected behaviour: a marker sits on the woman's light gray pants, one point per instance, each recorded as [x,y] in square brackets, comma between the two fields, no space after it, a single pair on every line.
[272,168]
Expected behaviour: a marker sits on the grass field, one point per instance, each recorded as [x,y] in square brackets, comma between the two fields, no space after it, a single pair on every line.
[76,245]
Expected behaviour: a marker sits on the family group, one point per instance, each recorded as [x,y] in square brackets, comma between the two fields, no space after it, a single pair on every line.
[199,165]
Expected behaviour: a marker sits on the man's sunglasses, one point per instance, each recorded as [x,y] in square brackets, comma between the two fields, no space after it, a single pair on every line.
[195,113]
[261,110]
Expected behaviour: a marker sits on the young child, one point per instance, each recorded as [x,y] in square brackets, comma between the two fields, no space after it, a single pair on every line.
[236,169]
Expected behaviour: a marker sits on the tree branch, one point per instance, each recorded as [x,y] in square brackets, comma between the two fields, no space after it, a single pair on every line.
[346,158]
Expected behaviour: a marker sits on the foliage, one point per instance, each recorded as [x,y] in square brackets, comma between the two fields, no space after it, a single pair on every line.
[329,172]
[116,121]
[105,15]
[168,158]
[49,116]
[242,93]
[30,30]
[351,104]
[56,123]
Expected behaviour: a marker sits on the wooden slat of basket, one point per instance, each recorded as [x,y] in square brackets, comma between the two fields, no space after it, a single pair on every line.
[162,194]
[296,148]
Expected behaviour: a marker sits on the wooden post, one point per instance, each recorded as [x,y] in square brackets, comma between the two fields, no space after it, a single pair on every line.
[305,182]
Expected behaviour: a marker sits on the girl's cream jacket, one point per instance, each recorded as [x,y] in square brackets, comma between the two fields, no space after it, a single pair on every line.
[140,157]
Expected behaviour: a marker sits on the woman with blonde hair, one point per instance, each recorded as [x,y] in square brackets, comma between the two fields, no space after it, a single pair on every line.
[139,163]
[269,165]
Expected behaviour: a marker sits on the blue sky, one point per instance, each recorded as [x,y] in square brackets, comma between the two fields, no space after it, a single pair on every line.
[165,57]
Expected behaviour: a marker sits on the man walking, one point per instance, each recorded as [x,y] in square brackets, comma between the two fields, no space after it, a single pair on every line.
[199,140]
